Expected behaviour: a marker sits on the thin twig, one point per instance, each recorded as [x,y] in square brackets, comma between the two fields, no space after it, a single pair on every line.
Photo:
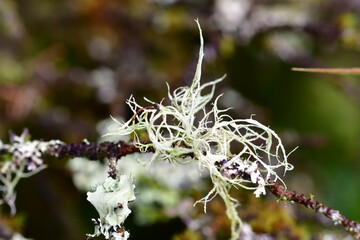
[281,193]
[349,225]
[111,150]
[155,106]
[350,71]
[93,150]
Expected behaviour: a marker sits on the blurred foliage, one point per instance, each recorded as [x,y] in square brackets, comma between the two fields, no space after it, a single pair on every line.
[66,65]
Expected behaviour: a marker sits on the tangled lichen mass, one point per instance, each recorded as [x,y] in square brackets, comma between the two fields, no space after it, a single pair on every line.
[185,128]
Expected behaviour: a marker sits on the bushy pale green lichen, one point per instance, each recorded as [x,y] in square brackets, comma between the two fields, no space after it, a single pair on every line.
[185,131]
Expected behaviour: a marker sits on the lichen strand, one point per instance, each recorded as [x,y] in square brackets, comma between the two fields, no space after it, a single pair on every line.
[185,131]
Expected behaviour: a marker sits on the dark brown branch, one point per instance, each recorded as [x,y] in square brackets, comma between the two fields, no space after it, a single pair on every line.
[92,151]
[281,193]
[349,225]
[115,150]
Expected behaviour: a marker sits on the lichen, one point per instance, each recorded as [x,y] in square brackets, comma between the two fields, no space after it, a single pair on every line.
[111,199]
[21,158]
[186,131]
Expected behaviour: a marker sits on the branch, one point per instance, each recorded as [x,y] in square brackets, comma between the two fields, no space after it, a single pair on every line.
[22,158]
[281,193]
[353,71]
[349,225]
[115,150]
[24,148]
[92,150]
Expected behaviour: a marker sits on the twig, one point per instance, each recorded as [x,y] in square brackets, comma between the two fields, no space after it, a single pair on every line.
[115,150]
[281,193]
[93,150]
[349,225]
[353,71]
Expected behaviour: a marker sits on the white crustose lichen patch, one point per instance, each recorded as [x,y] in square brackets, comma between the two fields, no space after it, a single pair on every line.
[185,131]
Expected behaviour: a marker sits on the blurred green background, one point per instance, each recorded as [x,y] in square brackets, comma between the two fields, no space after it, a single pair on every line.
[66,65]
